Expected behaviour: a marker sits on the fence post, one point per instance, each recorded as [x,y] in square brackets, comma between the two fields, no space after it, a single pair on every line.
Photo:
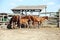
[59,18]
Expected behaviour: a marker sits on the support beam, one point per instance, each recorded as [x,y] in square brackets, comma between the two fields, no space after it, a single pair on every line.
[31,12]
[39,14]
[26,13]
[20,21]
[45,10]
[50,14]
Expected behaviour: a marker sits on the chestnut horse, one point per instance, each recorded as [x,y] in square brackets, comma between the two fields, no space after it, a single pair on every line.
[32,19]
[27,20]
[39,20]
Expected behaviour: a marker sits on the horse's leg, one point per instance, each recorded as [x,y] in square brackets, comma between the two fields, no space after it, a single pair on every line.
[39,24]
[31,24]
[15,26]
[12,25]
[24,25]
[28,25]
[20,25]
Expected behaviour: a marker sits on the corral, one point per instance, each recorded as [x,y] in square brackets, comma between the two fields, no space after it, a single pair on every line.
[53,17]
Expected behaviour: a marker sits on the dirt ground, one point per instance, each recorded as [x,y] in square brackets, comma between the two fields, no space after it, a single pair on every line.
[30,34]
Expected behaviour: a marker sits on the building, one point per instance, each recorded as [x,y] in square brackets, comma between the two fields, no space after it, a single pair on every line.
[25,9]
[5,17]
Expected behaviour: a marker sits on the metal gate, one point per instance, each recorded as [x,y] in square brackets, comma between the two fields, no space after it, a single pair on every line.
[53,18]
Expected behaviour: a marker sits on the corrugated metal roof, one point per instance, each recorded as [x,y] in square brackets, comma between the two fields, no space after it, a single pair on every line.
[3,13]
[30,7]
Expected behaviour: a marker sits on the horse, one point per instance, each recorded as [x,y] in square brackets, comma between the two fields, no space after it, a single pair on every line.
[39,20]
[26,20]
[19,21]
[13,22]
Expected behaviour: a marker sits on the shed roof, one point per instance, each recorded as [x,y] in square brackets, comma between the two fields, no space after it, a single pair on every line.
[29,7]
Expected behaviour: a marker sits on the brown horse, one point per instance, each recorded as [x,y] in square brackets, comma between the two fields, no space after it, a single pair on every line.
[13,22]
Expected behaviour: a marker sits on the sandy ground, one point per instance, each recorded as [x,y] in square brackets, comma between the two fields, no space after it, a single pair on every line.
[30,34]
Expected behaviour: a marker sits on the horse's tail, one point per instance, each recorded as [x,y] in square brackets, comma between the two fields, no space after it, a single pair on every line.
[9,25]
[10,21]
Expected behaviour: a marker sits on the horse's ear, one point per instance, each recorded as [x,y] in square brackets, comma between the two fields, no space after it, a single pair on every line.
[13,16]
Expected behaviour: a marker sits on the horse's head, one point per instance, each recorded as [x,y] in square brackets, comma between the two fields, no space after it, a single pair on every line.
[46,17]
[15,18]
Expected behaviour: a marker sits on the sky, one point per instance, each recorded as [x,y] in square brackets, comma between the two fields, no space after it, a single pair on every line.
[7,5]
